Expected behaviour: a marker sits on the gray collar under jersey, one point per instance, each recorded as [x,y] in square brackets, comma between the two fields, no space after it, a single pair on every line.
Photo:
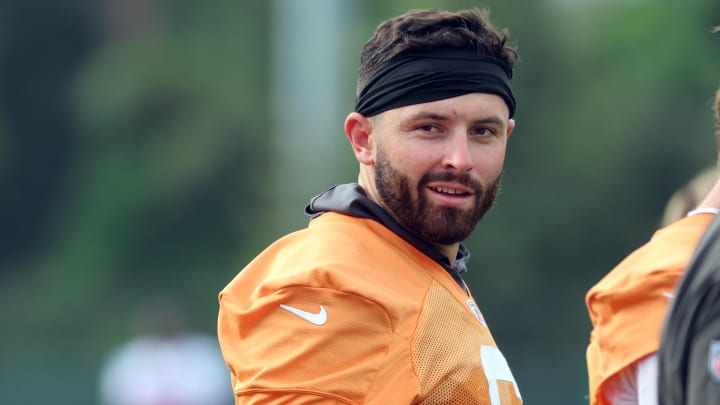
[350,199]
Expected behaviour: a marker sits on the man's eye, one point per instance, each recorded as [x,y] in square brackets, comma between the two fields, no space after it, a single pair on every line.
[484,132]
[428,128]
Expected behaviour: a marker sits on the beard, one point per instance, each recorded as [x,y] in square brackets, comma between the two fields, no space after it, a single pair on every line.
[437,225]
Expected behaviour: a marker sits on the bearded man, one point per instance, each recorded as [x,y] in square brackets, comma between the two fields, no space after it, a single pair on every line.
[367,304]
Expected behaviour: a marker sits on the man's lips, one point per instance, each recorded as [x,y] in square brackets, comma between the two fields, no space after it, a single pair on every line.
[451,195]
[450,189]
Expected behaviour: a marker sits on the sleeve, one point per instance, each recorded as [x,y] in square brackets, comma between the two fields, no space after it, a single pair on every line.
[647,377]
[622,387]
[627,307]
[634,385]
[302,345]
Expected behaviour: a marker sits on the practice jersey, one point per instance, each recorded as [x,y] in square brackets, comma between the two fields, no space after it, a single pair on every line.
[689,355]
[346,311]
[627,307]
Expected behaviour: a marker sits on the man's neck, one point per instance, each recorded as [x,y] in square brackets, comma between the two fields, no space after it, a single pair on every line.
[450,251]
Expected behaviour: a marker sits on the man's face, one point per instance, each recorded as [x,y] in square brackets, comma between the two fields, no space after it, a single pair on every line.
[438,165]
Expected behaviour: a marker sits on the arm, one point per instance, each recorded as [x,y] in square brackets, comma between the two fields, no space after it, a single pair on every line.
[302,345]
[711,203]
[627,307]
[712,200]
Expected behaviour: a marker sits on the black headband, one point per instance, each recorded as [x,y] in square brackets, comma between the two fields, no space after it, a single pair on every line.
[416,78]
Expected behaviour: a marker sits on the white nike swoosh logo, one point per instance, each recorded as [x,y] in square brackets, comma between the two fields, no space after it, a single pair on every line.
[318,319]
[669,295]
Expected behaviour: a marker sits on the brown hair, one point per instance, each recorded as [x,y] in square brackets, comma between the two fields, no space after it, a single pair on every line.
[427,29]
[717,105]
[691,194]
[717,117]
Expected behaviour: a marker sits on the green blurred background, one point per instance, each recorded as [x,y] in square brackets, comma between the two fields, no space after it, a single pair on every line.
[153,147]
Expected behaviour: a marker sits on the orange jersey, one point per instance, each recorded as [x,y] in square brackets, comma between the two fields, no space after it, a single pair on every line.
[346,311]
[627,307]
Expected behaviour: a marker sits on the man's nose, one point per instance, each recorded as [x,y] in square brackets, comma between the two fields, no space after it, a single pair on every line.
[457,156]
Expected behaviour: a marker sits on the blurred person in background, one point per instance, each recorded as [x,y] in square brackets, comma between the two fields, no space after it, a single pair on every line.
[166,363]
[368,305]
[628,306]
[689,196]
[689,356]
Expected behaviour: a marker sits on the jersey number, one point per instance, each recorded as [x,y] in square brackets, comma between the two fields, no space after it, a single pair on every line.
[496,369]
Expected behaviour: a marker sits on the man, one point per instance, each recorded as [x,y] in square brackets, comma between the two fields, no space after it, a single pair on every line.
[367,304]
[689,356]
[167,362]
[627,307]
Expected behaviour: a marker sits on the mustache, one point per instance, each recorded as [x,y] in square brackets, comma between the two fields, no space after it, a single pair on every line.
[463,179]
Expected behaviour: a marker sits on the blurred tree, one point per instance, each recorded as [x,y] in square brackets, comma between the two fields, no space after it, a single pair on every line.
[43,43]
[165,181]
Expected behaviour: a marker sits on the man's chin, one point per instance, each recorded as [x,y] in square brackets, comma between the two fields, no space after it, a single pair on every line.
[451,230]
[452,214]
[446,240]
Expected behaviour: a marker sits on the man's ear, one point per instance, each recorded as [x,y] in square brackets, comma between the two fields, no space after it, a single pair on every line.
[511,126]
[358,129]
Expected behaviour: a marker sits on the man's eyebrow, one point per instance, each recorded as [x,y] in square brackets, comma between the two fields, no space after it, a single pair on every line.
[490,120]
[424,115]
[421,115]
